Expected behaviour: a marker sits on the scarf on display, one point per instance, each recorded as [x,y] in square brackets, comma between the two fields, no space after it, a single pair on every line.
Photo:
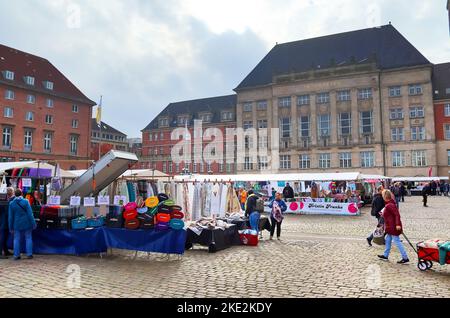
[187,211]
[276,212]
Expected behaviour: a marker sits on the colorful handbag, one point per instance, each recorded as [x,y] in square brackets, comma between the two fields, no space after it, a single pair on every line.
[152,202]
[176,208]
[132,224]
[169,203]
[176,224]
[129,215]
[79,223]
[162,226]
[153,211]
[162,218]
[177,215]
[163,197]
[130,206]
[96,222]
[164,209]
[142,210]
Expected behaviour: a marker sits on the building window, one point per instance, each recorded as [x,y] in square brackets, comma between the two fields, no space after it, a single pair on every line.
[395,91]
[447,110]
[9,94]
[75,123]
[247,125]
[48,85]
[263,142]
[419,158]
[247,107]
[418,133]
[367,159]
[262,123]
[345,160]
[284,102]
[31,99]
[285,162]
[248,164]
[48,141]
[8,112]
[49,119]
[73,145]
[345,124]
[396,114]
[324,125]
[263,163]
[150,137]
[447,131]
[398,158]
[202,167]
[206,118]
[29,80]
[448,157]
[323,98]
[229,167]
[304,127]
[177,168]
[303,100]
[183,120]
[261,105]
[415,89]
[416,112]
[74,108]
[7,137]
[194,168]
[397,134]
[28,140]
[227,116]
[364,93]
[304,162]
[285,125]
[9,75]
[343,96]
[325,161]
[49,103]
[366,122]
[163,122]
[164,167]
[209,167]
[29,116]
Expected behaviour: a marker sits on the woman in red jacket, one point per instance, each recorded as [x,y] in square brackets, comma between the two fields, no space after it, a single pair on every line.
[393,227]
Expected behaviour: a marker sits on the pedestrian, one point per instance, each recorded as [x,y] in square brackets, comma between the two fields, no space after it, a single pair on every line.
[243,198]
[278,207]
[393,228]
[403,192]
[446,188]
[21,222]
[441,188]
[433,188]
[274,192]
[251,210]
[288,192]
[426,191]
[4,230]
[377,206]
[397,193]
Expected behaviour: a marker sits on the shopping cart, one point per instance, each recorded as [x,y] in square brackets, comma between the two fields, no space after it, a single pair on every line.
[427,253]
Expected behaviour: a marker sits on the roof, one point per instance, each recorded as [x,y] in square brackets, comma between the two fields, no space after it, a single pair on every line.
[383,44]
[213,105]
[441,81]
[105,128]
[4,166]
[24,64]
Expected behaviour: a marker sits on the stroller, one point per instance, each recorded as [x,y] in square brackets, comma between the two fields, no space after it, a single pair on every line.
[428,252]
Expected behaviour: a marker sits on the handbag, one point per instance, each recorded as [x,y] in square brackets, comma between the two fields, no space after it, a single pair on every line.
[378,235]
[79,223]
[129,215]
[162,218]
[176,224]
[132,224]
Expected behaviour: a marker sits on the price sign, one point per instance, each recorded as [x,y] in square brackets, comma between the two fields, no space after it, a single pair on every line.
[103,200]
[26,182]
[75,201]
[54,200]
[120,200]
[89,201]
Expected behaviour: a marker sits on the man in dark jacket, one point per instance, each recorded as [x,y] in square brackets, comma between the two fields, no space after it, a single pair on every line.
[426,191]
[4,229]
[377,205]
[288,192]
[250,205]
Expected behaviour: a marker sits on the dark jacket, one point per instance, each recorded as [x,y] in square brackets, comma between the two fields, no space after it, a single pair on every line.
[3,216]
[20,215]
[250,205]
[377,205]
[288,192]
[426,190]
[392,219]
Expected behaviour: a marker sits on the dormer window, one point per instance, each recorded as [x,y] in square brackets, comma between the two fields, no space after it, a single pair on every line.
[163,122]
[206,118]
[182,120]
[227,116]
[9,75]
[48,85]
[29,80]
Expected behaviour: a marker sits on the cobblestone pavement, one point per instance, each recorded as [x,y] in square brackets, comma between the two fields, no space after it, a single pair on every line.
[319,256]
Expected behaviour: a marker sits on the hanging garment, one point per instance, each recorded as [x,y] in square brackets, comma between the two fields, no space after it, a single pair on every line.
[131,191]
[206,193]
[179,197]
[160,186]
[215,199]
[187,209]
[173,191]
[223,200]
[196,202]
[150,192]
[233,205]
[167,190]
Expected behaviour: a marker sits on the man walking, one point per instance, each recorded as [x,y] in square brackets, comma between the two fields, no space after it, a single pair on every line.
[377,206]
[426,191]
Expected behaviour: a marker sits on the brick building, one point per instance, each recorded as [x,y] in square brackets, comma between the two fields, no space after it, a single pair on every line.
[215,112]
[441,88]
[44,116]
[107,137]
[135,146]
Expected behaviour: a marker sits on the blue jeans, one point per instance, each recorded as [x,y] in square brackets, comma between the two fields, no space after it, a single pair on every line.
[397,200]
[28,242]
[254,221]
[396,239]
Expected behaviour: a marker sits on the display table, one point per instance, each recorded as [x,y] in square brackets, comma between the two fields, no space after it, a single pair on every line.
[215,240]
[264,223]
[95,241]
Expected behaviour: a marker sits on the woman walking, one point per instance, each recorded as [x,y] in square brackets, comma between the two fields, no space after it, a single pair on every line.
[278,207]
[393,228]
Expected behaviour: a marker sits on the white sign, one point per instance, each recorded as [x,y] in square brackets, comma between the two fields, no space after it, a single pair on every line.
[75,201]
[89,201]
[103,200]
[26,182]
[54,200]
[321,208]
[120,200]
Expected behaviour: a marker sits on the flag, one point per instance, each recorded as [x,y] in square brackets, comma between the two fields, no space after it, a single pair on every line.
[430,172]
[98,117]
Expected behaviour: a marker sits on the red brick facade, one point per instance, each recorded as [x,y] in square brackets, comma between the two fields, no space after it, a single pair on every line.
[441,120]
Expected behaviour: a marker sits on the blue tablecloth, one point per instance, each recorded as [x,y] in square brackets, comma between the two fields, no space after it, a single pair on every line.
[65,242]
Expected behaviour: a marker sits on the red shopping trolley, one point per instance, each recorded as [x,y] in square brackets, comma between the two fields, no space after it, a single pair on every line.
[427,253]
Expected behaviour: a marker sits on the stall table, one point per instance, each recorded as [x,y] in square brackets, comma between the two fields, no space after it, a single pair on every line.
[215,239]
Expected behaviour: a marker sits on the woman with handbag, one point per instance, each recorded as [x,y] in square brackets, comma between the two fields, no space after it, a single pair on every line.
[276,216]
[377,206]
[393,227]
[21,222]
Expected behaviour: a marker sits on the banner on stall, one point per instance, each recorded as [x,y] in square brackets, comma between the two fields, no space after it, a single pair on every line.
[323,208]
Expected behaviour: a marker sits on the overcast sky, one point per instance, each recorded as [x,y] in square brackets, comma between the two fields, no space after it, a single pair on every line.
[143,54]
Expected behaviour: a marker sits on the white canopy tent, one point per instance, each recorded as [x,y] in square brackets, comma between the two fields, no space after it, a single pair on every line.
[418,179]
[4,166]
[138,173]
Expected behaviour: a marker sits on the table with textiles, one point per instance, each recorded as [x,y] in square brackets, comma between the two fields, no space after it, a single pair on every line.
[242,224]
[98,240]
[215,239]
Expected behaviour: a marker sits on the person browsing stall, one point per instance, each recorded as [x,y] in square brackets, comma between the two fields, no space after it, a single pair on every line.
[4,230]
[377,206]
[288,192]
[278,207]
[251,210]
